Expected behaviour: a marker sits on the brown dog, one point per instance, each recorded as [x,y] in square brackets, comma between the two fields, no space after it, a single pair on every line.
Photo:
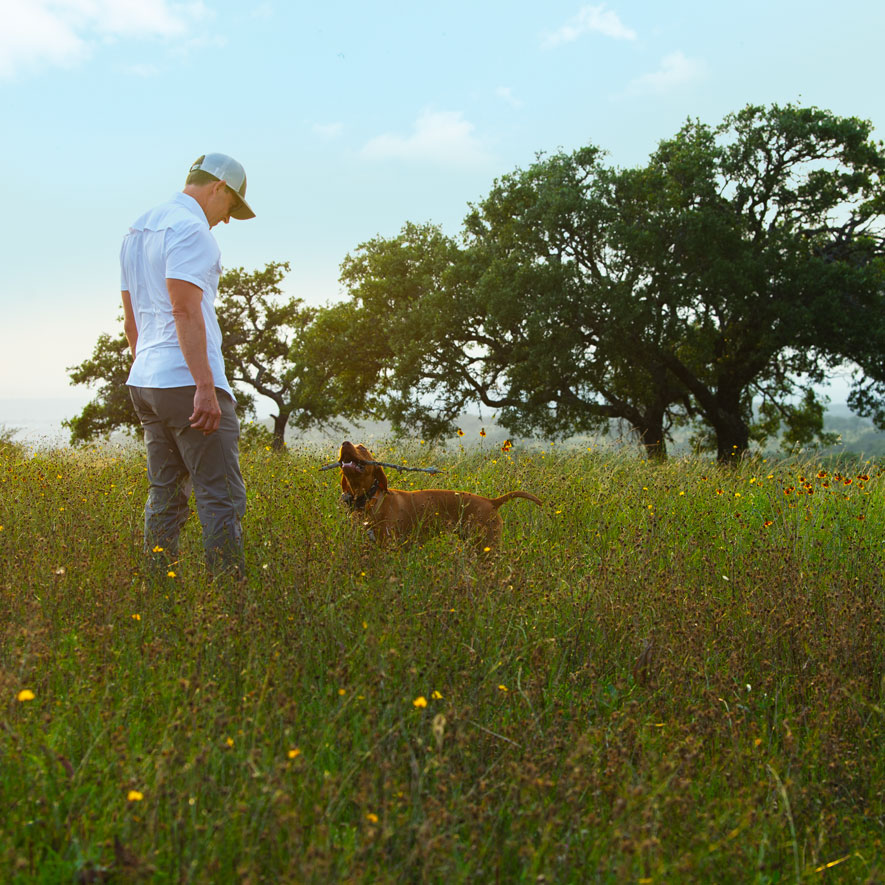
[392,513]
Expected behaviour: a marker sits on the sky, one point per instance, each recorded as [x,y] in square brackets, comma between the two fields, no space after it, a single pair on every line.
[350,118]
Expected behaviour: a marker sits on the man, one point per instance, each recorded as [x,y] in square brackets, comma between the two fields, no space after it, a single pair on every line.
[170,265]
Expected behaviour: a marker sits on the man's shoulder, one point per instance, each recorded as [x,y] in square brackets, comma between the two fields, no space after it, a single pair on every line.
[172,214]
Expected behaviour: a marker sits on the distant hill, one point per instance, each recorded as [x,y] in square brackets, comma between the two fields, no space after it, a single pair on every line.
[857,435]
[38,422]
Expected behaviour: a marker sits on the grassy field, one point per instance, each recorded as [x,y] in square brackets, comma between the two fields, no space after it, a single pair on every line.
[670,673]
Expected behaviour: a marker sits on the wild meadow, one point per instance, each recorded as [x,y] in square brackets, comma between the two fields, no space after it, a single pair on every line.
[669,673]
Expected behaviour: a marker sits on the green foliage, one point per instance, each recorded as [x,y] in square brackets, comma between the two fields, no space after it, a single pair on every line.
[714,286]
[108,369]
[259,330]
[670,672]
[802,423]
[768,295]
[254,435]
[402,337]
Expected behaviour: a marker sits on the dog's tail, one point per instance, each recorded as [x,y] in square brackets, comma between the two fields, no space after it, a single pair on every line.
[497,502]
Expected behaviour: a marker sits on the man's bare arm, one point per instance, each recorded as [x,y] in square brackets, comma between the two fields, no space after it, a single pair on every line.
[129,326]
[187,311]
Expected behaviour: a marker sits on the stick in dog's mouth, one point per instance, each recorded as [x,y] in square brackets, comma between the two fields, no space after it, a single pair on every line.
[361,465]
[356,465]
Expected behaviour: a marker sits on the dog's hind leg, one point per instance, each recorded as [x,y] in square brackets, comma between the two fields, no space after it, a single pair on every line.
[492,531]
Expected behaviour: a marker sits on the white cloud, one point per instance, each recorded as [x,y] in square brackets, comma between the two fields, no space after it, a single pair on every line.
[506,94]
[444,138]
[676,70]
[62,33]
[153,18]
[328,130]
[591,19]
[31,33]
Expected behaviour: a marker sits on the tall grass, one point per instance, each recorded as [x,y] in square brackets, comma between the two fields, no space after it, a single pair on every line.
[671,672]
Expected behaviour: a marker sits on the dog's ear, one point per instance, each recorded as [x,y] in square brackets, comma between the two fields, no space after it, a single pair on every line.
[381,476]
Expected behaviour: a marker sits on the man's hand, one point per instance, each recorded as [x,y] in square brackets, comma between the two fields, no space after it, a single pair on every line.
[207,412]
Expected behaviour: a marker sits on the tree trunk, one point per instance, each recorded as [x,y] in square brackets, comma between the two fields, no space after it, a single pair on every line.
[732,436]
[652,439]
[279,430]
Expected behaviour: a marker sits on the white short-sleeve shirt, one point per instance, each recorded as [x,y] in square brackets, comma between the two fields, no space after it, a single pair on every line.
[171,241]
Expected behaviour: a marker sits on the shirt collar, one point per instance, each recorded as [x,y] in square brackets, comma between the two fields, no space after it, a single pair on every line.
[191,205]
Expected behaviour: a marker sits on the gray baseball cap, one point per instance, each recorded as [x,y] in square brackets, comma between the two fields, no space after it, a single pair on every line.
[227,169]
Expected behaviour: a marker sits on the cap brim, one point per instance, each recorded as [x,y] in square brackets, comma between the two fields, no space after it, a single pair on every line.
[243,210]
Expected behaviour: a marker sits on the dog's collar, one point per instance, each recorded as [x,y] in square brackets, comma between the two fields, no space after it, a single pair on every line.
[363,501]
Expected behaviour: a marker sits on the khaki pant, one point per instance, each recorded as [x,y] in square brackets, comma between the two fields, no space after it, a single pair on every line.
[179,459]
